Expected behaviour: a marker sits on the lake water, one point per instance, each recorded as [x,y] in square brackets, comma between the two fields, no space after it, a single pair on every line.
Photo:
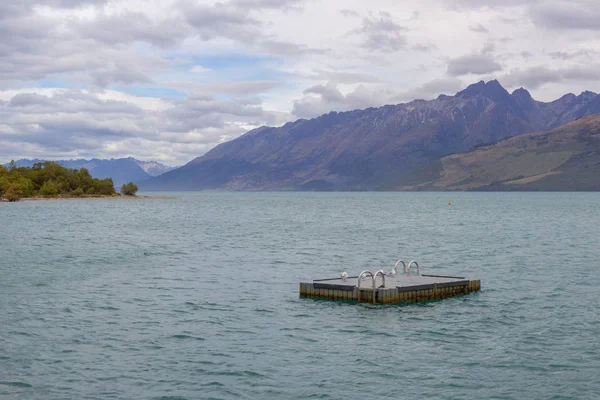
[196,297]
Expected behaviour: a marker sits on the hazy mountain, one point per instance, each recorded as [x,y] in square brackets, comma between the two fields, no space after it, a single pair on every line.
[565,158]
[372,148]
[153,168]
[121,170]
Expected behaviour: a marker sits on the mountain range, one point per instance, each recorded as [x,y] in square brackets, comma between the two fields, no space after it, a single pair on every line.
[392,147]
[565,158]
[121,170]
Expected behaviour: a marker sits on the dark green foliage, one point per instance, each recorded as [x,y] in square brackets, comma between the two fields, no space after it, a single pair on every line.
[104,187]
[49,189]
[77,192]
[129,189]
[49,179]
[12,192]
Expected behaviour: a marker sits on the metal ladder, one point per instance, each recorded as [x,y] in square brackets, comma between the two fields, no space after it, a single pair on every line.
[405,268]
[367,273]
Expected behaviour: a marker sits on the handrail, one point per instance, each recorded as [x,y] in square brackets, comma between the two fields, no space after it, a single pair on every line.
[365,273]
[380,272]
[360,276]
[410,265]
[396,266]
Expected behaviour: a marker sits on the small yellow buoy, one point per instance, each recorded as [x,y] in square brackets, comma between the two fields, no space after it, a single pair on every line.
[449,203]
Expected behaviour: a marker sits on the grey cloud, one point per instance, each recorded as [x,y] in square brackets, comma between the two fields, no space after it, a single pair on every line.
[477,4]
[133,27]
[477,64]
[13,10]
[329,93]
[576,14]
[63,3]
[531,78]
[29,100]
[235,88]
[73,121]
[432,89]
[426,48]
[268,4]
[33,47]
[570,55]
[98,51]
[72,102]
[478,28]
[552,14]
[526,55]
[220,20]
[120,74]
[203,105]
[535,77]
[276,118]
[349,13]
[67,112]
[585,73]
[321,99]
[24,6]
[237,23]
[489,47]
[286,48]
[344,77]
[381,33]
[20,28]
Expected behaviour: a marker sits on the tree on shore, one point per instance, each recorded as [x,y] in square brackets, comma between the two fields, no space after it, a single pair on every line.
[12,192]
[129,189]
[50,179]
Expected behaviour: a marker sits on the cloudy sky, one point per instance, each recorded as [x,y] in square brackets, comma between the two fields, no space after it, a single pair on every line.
[167,80]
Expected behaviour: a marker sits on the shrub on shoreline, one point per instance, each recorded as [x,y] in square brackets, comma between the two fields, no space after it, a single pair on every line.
[129,189]
[50,179]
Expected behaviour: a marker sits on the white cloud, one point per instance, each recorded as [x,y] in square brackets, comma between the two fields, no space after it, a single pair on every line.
[199,69]
[169,79]
[477,64]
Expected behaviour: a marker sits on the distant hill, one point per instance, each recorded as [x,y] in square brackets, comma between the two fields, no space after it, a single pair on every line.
[121,170]
[377,148]
[565,158]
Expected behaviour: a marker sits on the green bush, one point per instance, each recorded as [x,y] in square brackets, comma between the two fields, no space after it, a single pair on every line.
[77,192]
[49,189]
[104,187]
[129,189]
[12,192]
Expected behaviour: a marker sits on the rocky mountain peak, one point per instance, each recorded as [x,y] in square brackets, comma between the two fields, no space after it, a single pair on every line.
[492,90]
[522,94]
[523,98]
[588,95]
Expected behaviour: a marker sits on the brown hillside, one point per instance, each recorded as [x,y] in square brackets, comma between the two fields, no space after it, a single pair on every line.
[565,158]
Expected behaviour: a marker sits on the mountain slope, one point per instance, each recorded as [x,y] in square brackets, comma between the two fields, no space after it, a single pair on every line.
[372,148]
[565,158]
[121,170]
[153,168]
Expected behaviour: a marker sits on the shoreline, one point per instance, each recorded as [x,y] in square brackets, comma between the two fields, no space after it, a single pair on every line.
[2,200]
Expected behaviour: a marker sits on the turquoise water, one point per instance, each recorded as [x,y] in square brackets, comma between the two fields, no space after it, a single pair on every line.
[196,297]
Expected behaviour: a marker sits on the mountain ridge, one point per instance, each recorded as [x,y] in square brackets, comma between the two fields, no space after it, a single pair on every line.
[365,149]
[561,159]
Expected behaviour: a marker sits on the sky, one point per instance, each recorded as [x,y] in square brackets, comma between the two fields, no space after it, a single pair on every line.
[167,80]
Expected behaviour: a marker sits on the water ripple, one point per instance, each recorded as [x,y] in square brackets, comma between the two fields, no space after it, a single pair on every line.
[196,297]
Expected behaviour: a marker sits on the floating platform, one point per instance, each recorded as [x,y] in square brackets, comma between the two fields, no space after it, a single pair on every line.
[394,287]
